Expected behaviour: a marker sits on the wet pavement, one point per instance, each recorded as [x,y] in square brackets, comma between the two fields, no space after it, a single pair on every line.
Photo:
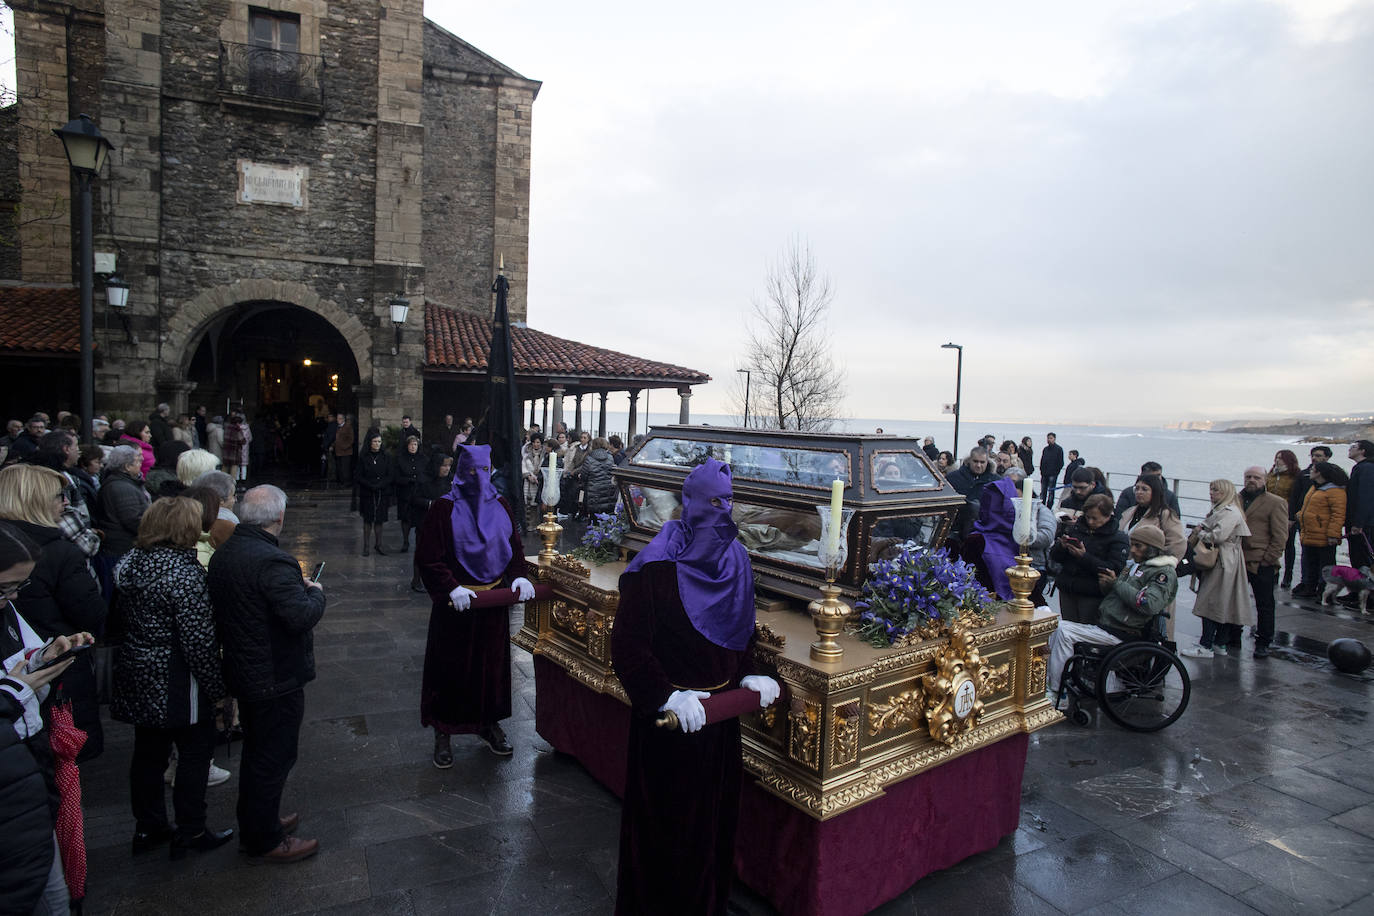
[1260,799]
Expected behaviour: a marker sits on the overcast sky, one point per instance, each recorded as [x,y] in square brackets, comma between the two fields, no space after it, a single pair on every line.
[1125,211]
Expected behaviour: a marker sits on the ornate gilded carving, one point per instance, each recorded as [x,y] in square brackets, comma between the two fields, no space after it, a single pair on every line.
[571,564]
[1039,664]
[768,717]
[955,690]
[844,728]
[769,636]
[901,709]
[805,734]
[598,628]
[573,619]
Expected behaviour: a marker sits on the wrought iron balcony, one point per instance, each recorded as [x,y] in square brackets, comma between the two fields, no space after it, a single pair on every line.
[266,77]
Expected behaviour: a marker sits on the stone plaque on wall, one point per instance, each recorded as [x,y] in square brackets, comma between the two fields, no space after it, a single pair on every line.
[272,184]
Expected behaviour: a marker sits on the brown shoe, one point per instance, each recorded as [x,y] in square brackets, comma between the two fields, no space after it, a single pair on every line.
[289,822]
[292,849]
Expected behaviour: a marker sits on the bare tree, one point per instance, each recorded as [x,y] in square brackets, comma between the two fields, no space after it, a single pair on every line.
[793,379]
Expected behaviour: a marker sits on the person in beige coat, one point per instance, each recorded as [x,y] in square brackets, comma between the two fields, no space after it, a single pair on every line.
[1266,514]
[1223,600]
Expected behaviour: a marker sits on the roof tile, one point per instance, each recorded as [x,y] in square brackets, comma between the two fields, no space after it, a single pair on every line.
[459,341]
[40,319]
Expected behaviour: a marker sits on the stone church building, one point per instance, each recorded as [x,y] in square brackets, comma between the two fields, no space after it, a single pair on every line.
[285,174]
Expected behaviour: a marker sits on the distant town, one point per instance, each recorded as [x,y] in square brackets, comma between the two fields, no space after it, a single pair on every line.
[1313,428]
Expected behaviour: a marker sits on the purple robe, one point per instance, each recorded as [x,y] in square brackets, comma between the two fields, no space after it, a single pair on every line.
[467,681]
[996,518]
[681,806]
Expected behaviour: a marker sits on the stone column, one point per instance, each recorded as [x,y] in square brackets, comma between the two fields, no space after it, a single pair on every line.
[557,408]
[577,415]
[534,402]
[601,424]
[545,424]
[684,413]
[633,426]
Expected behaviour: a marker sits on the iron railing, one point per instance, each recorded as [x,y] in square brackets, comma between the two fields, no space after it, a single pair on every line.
[287,76]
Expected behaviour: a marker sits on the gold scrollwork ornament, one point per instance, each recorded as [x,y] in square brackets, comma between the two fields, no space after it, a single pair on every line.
[955,690]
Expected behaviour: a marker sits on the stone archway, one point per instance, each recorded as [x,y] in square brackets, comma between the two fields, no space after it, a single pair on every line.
[184,329]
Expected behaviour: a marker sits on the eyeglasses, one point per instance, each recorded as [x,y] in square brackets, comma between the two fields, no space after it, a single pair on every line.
[11,589]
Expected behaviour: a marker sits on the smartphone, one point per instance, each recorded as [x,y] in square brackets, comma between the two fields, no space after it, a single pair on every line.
[1073,540]
[74,650]
[319,570]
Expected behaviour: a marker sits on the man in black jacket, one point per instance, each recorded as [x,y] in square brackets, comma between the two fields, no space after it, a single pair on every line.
[969,480]
[1051,463]
[264,611]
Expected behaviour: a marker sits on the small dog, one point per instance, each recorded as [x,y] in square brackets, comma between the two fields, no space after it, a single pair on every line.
[1358,582]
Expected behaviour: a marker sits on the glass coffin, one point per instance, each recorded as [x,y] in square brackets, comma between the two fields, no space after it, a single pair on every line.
[892,494]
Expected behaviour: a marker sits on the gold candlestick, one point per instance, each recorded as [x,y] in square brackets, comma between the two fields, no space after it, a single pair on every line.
[549,532]
[1023,579]
[829,615]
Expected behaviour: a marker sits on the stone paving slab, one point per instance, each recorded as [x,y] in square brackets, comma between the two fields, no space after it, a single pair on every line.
[1259,800]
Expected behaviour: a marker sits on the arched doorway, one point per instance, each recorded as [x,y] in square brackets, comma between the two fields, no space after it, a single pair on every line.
[286,366]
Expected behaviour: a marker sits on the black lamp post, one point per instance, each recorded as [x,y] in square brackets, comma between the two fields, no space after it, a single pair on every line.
[958,392]
[746,396]
[400,309]
[86,151]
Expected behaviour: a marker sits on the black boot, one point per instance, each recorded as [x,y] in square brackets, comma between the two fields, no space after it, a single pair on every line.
[377,540]
[367,551]
[204,841]
[405,538]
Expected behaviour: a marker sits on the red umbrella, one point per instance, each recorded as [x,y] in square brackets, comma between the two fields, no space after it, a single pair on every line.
[67,741]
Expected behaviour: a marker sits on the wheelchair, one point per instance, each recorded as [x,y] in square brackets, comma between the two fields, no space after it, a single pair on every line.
[1140,683]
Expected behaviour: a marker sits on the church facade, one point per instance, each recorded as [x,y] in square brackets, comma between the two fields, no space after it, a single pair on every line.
[286,175]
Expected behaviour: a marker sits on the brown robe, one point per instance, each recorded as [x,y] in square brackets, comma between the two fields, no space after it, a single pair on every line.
[466,681]
[681,807]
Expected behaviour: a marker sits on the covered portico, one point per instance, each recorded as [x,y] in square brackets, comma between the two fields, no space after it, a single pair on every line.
[548,371]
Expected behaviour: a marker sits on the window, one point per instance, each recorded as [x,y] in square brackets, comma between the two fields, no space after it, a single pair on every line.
[277,31]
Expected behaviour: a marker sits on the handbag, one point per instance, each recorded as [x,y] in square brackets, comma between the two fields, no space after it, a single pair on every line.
[1206,556]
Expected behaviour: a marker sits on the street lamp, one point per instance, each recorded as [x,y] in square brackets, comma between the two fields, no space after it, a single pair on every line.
[86,150]
[117,298]
[746,396]
[958,392]
[400,309]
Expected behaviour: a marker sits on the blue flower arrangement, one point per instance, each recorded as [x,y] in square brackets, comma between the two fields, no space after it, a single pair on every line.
[601,540]
[912,593]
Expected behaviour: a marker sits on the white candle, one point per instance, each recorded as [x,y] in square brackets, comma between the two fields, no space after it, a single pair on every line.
[1028,509]
[832,543]
[503,262]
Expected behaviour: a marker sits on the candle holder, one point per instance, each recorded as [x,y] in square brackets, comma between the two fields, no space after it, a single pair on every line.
[1022,578]
[830,613]
[549,532]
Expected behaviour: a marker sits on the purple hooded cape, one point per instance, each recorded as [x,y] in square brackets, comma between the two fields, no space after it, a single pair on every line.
[714,576]
[996,518]
[481,525]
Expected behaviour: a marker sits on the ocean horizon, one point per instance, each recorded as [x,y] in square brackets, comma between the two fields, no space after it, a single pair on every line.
[1193,458]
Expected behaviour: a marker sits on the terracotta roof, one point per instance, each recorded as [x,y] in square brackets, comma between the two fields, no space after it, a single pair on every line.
[459,341]
[39,319]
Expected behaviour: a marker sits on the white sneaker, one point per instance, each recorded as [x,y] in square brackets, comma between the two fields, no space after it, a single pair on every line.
[1197,652]
[217,775]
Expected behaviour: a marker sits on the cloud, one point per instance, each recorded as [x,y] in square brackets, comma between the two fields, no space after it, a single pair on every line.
[1100,203]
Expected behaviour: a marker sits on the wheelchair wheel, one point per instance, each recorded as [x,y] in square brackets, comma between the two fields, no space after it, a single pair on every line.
[1080,717]
[1143,687]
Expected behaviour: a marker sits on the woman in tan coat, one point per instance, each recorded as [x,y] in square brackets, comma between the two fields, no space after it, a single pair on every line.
[1223,600]
[1321,519]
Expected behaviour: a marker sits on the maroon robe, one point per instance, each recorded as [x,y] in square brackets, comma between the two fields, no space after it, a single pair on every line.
[677,827]
[466,682]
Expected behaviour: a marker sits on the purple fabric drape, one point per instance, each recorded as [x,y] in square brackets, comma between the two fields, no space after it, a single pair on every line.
[481,525]
[996,518]
[714,575]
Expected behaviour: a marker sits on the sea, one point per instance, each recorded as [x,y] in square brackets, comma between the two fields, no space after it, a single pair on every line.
[1191,458]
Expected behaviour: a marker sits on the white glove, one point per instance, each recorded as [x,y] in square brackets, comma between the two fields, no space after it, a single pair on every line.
[523,589]
[686,705]
[767,688]
[461,598]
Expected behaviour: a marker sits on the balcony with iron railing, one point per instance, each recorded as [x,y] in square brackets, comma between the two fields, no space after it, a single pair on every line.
[258,77]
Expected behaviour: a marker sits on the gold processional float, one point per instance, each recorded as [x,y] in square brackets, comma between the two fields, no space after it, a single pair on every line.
[861,735]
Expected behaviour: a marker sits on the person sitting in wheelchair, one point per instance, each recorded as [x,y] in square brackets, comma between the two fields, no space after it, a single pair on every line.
[1132,601]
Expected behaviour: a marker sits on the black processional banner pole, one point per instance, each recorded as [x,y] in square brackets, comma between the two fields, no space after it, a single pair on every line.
[503,420]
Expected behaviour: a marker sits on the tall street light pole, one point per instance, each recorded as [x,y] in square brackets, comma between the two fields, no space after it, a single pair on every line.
[746,396]
[958,391]
[86,150]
